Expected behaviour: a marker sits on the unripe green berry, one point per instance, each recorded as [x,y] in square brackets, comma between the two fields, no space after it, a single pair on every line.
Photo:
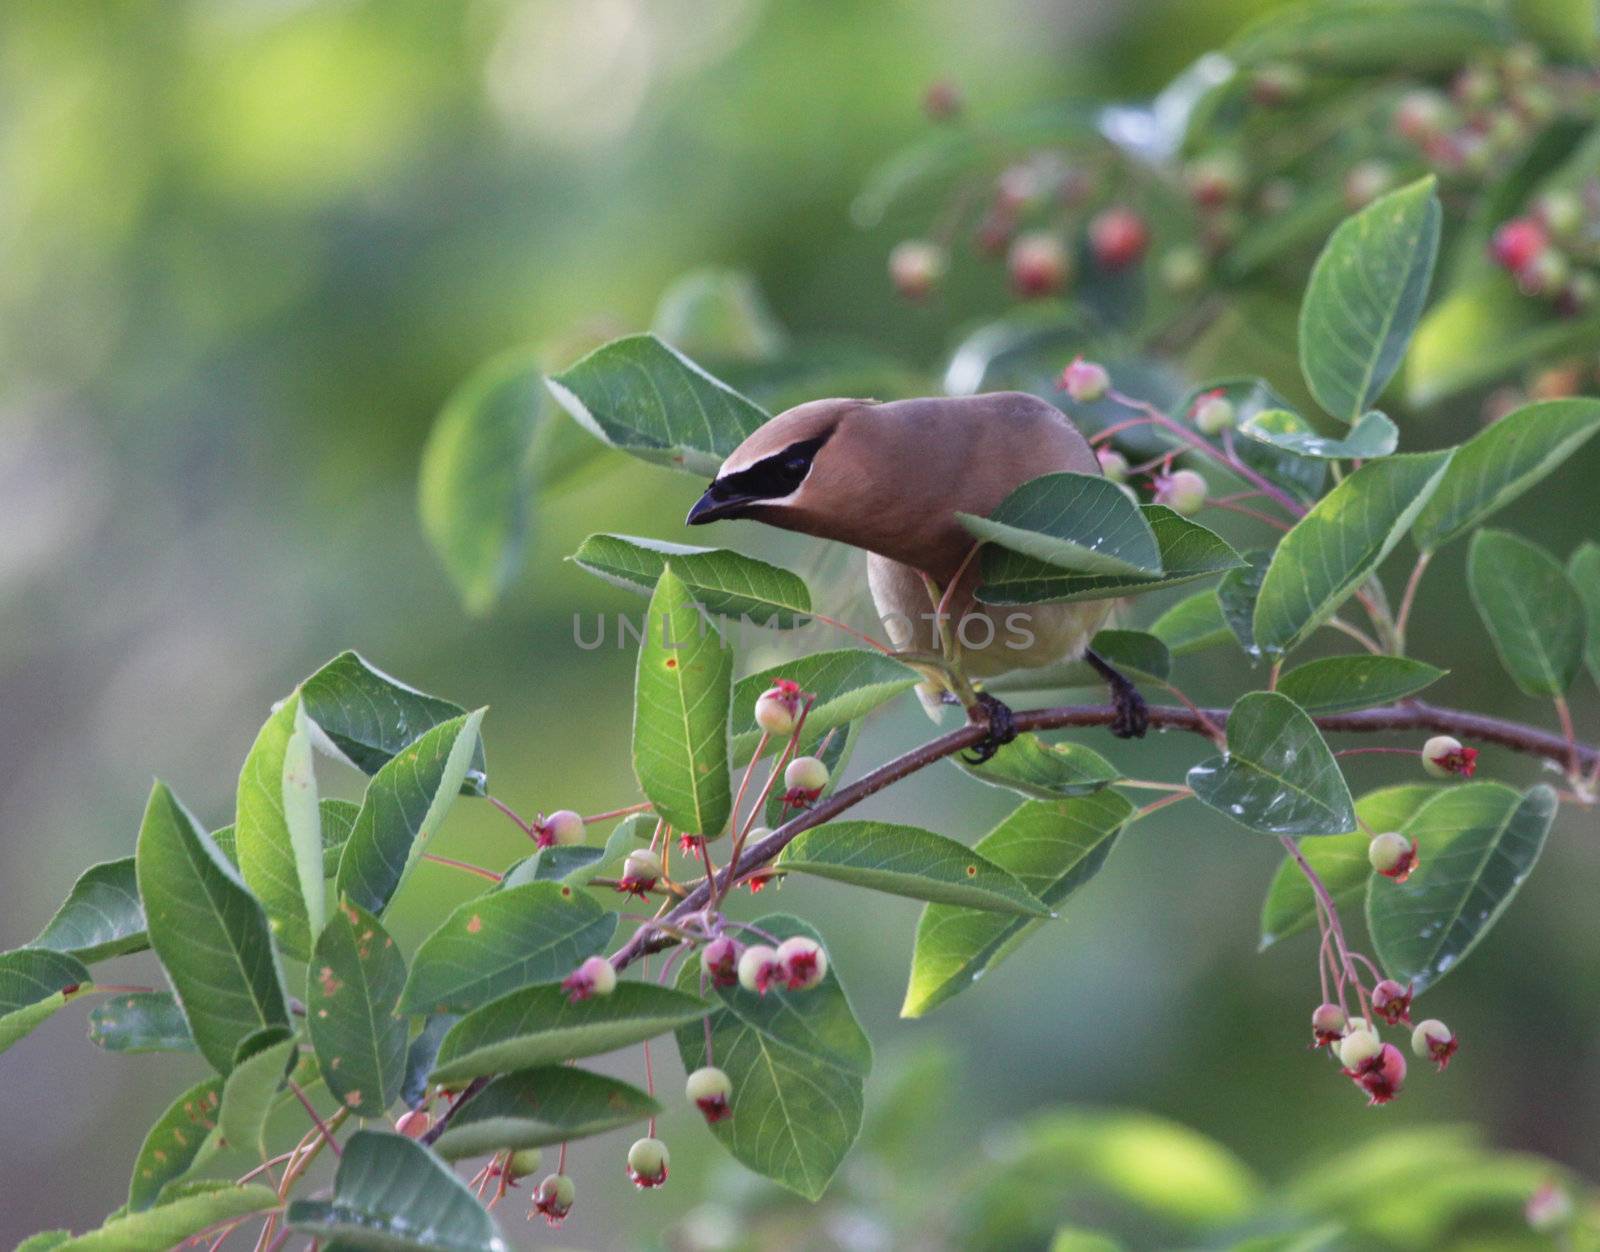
[1437,751]
[759,968]
[1358,1047]
[553,1197]
[916,266]
[648,1160]
[1183,491]
[564,826]
[1183,269]
[1113,464]
[1213,415]
[777,712]
[708,1090]
[1387,851]
[523,1162]
[642,866]
[805,773]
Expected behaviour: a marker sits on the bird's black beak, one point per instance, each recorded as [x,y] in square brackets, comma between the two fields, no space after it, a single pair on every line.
[715,505]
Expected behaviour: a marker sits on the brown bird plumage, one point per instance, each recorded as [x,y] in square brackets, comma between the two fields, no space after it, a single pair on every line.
[890,479]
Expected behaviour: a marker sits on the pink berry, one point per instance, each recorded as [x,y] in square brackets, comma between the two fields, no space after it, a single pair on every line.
[1517,243]
[1392,1002]
[1183,491]
[1328,1024]
[719,959]
[1039,264]
[414,1123]
[1084,381]
[595,977]
[916,267]
[803,961]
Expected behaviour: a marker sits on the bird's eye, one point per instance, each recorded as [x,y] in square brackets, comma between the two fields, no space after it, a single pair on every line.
[797,465]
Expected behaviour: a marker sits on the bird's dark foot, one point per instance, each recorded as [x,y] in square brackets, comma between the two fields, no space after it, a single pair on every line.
[1132,714]
[1002,726]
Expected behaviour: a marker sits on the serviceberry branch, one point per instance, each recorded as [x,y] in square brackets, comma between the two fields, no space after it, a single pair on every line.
[1412,715]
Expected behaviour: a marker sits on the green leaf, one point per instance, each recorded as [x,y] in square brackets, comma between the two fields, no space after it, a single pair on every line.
[1278,775]
[420,1056]
[552,864]
[177,1142]
[719,314]
[1192,625]
[1568,28]
[369,717]
[1052,848]
[1337,684]
[476,478]
[141,1021]
[248,1095]
[1530,609]
[278,830]
[1584,570]
[1188,551]
[187,1211]
[1237,593]
[1081,523]
[1304,478]
[1484,330]
[1476,844]
[540,1026]
[1499,463]
[101,917]
[405,803]
[641,396]
[1045,771]
[908,861]
[848,684]
[536,932]
[1371,36]
[680,713]
[209,931]
[34,983]
[721,581]
[336,817]
[797,1061]
[353,1010]
[1373,435]
[1366,295]
[391,1194]
[1332,549]
[1339,860]
[535,1107]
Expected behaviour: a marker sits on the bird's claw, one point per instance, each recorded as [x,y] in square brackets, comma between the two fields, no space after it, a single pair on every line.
[1133,714]
[1001,723]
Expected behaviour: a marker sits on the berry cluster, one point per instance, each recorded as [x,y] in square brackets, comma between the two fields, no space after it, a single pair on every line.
[1379,1068]
[1553,250]
[1485,119]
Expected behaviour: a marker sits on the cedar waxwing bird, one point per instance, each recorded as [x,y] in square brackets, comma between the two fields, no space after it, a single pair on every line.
[890,478]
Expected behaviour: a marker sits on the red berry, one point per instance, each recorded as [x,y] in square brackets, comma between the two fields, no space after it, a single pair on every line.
[1039,265]
[1518,243]
[1381,1076]
[719,959]
[1118,238]
[1392,1002]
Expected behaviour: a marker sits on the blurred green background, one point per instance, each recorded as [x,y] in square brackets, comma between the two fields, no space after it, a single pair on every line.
[249,248]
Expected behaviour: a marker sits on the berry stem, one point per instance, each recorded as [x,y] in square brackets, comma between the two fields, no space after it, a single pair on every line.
[464,866]
[1407,599]
[628,811]
[1157,805]
[1233,464]
[1100,436]
[1356,633]
[524,826]
[1564,716]
[316,1118]
[1230,507]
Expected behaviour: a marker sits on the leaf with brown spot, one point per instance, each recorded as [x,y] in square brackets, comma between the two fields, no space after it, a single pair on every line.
[354,995]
